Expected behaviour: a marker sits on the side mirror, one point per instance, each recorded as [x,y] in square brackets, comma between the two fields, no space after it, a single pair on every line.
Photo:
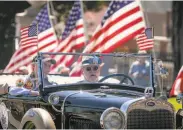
[179,98]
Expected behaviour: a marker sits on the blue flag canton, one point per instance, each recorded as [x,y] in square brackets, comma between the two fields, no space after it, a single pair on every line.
[149,33]
[42,19]
[32,31]
[74,16]
[114,7]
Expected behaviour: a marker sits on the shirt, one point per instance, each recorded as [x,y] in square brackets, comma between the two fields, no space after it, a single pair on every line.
[141,69]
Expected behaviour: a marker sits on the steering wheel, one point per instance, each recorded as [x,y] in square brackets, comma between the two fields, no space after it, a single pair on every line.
[118,75]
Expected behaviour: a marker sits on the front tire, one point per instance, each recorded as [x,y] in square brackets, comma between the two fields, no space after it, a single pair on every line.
[37,118]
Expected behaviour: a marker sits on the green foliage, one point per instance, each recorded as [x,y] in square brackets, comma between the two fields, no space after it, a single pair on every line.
[94,5]
[63,7]
[8,9]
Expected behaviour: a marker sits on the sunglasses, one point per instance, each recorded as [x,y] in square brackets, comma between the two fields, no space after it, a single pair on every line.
[95,68]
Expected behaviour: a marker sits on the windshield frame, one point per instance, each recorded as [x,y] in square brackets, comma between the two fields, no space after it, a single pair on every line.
[40,64]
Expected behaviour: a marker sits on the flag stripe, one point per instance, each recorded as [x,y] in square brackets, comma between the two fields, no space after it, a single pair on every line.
[122,22]
[23,52]
[78,31]
[33,41]
[120,30]
[177,86]
[125,39]
[143,42]
[69,48]
[72,38]
[22,56]
[115,19]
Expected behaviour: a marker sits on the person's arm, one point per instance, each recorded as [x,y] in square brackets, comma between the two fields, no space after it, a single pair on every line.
[132,70]
[16,91]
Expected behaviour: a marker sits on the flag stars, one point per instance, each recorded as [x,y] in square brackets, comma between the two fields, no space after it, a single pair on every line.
[114,6]
[75,14]
[118,6]
[43,20]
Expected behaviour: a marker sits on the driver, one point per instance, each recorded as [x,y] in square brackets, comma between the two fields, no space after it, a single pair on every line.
[30,86]
[91,67]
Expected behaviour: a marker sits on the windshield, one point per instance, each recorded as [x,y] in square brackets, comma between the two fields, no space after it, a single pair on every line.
[130,69]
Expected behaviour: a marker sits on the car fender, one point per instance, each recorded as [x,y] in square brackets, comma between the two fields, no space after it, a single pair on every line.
[3,116]
[40,117]
[176,105]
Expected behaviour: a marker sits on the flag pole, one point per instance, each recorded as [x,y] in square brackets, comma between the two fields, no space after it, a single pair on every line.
[52,10]
[49,15]
[37,37]
[153,33]
[153,51]
[84,22]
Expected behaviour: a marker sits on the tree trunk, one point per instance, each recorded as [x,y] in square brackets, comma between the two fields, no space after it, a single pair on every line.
[177,35]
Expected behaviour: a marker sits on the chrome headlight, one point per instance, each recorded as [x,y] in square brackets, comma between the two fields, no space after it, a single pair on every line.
[53,99]
[112,118]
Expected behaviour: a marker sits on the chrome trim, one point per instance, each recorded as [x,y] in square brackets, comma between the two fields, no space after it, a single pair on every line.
[49,100]
[112,109]
[148,92]
[62,108]
[56,109]
[124,107]
[151,71]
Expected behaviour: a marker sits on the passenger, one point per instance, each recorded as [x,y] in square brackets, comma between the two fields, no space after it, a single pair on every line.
[91,67]
[31,83]
[139,71]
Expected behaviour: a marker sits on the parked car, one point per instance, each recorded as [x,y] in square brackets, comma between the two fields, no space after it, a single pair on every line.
[116,101]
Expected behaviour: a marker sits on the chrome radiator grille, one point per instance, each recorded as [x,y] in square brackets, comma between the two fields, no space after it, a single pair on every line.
[156,119]
[150,114]
[78,123]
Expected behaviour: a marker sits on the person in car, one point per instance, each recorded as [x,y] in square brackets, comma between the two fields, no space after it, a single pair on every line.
[91,67]
[31,86]
[139,70]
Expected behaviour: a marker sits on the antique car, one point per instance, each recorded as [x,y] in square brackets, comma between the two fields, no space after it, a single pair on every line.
[116,101]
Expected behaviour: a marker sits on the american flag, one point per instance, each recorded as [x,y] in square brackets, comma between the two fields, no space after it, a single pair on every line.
[122,22]
[72,38]
[46,41]
[145,40]
[28,44]
[177,87]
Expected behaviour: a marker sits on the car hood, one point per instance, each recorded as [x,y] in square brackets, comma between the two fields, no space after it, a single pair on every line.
[92,100]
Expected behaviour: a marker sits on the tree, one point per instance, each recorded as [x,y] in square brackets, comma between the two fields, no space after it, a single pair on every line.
[63,8]
[8,10]
[177,35]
